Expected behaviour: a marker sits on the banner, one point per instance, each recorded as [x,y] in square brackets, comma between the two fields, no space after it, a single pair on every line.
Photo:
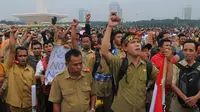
[56,63]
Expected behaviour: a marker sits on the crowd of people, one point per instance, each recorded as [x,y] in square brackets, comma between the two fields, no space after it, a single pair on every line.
[109,69]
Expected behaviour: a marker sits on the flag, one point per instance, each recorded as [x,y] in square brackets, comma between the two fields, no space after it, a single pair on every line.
[158,98]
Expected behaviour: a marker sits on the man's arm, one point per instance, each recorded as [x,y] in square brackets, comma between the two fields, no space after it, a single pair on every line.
[5,85]
[68,30]
[28,40]
[93,94]
[173,85]
[55,30]
[113,21]
[56,107]
[87,24]
[12,46]
[93,101]
[24,36]
[55,95]
[74,41]
[178,92]
[43,35]
[169,73]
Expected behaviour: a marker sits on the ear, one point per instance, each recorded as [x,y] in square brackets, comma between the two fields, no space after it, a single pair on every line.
[196,54]
[66,63]
[124,47]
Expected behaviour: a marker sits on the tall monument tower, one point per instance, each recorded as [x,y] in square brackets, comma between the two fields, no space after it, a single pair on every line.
[41,6]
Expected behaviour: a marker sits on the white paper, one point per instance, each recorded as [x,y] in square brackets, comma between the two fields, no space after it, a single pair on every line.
[33,88]
[56,63]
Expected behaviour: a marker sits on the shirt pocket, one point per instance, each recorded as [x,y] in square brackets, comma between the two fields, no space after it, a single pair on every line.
[142,84]
[68,95]
[28,78]
[86,94]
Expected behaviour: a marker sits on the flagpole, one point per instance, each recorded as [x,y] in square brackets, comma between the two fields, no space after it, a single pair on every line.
[163,82]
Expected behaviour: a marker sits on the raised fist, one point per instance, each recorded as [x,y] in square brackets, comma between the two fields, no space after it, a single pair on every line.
[13,29]
[87,17]
[75,22]
[114,20]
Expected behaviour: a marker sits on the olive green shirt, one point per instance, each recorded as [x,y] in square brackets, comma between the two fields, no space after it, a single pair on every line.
[104,89]
[88,58]
[73,94]
[120,51]
[19,82]
[131,95]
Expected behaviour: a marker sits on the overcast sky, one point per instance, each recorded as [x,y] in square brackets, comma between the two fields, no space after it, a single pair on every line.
[132,9]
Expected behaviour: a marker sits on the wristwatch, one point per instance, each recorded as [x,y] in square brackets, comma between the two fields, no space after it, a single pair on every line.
[93,109]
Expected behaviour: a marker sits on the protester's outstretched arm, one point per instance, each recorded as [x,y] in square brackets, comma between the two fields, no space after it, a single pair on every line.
[28,40]
[55,30]
[24,37]
[87,24]
[113,21]
[74,41]
[12,46]
[68,30]
[168,55]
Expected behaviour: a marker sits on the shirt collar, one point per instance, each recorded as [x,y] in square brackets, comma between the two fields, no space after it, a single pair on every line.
[90,51]
[68,76]
[140,62]
[184,62]
[118,47]
[27,68]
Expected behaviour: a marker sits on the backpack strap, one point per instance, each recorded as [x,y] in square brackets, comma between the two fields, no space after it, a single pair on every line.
[149,68]
[179,66]
[97,61]
[121,73]
[195,66]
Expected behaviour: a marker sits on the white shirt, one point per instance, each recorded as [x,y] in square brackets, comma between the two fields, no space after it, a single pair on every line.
[39,68]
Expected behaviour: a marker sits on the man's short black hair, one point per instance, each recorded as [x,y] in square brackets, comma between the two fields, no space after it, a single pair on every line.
[48,42]
[162,41]
[20,49]
[35,42]
[116,32]
[86,35]
[161,35]
[70,53]
[181,35]
[191,41]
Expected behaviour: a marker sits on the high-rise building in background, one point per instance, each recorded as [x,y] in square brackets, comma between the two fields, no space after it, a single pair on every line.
[115,7]
[82,13]
[188,12]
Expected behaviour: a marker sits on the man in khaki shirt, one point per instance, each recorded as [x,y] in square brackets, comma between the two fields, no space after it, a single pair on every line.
[117,47]
[73,90]
[88,55]
[20,77]
[101,74]
[190,52]
[131,93]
